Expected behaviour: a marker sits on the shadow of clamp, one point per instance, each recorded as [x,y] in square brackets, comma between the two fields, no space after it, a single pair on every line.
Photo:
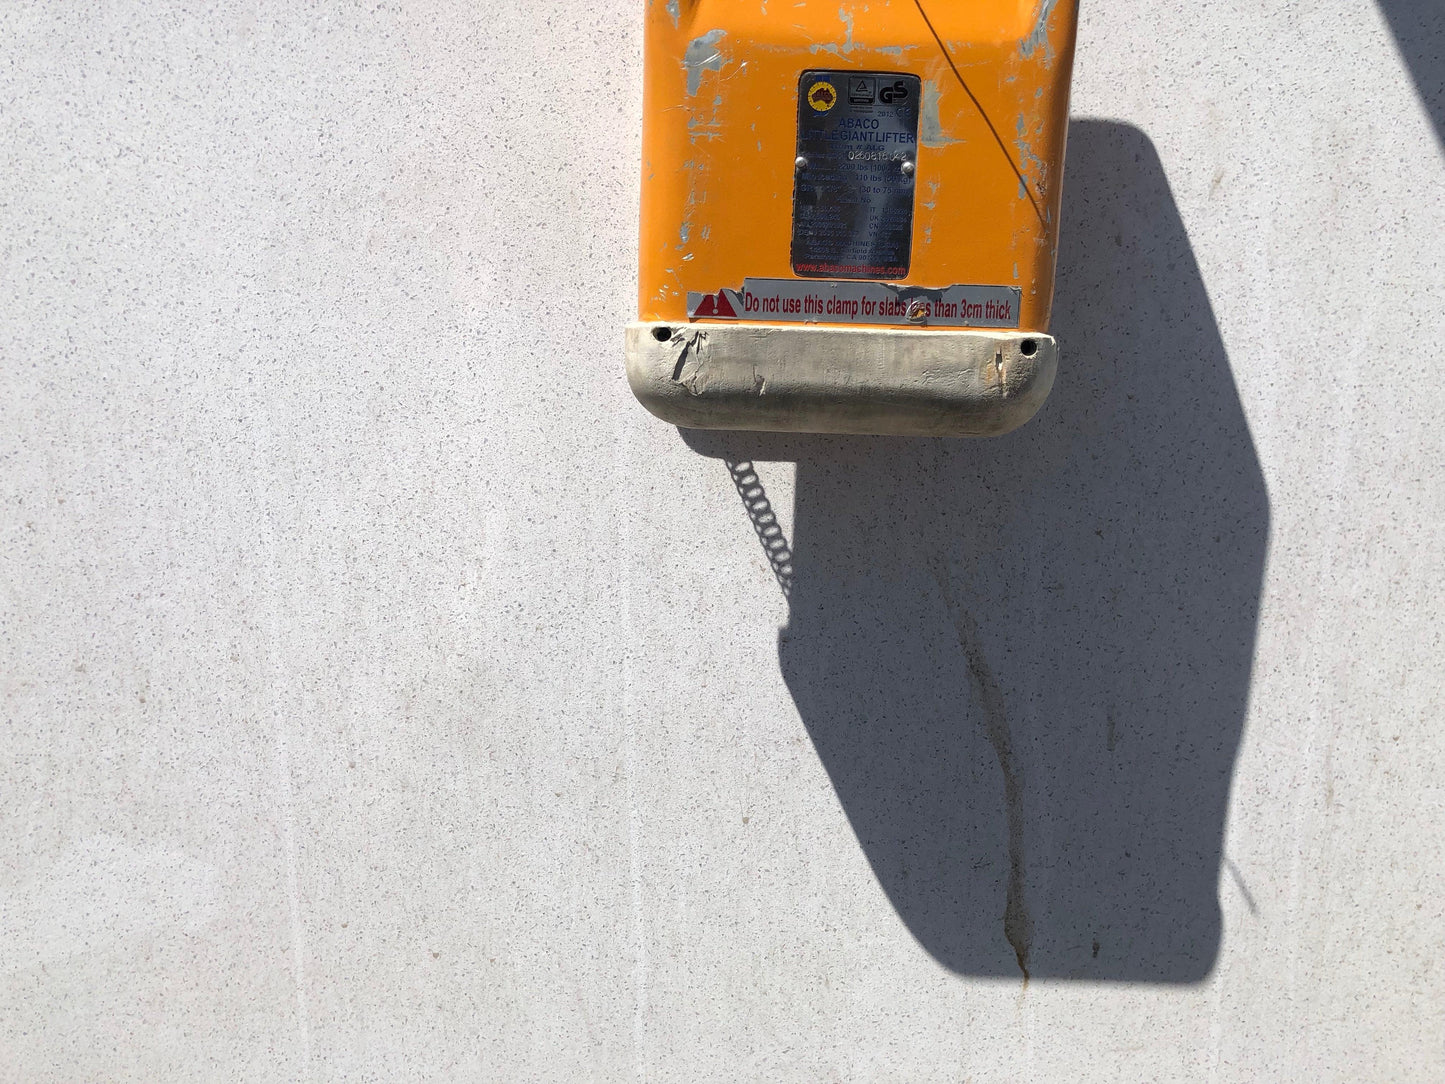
[841,233]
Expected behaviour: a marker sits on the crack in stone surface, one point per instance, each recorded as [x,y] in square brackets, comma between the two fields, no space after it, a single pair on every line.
[1018,924]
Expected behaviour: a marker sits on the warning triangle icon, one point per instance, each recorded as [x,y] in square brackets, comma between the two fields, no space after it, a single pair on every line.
[715,305]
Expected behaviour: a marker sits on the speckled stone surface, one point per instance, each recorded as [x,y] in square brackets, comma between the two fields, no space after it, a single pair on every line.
[386,696]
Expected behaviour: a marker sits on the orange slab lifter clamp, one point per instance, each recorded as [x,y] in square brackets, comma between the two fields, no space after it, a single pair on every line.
[850,213]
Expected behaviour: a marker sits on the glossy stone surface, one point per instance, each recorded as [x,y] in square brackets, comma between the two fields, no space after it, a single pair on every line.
[388,696]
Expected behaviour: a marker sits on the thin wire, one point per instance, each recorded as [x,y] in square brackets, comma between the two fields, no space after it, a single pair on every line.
[1001,145]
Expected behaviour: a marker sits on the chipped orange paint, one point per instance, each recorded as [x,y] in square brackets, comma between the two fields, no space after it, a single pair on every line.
[719,137]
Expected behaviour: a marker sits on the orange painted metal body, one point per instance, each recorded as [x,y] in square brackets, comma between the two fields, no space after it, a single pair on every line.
[720,133]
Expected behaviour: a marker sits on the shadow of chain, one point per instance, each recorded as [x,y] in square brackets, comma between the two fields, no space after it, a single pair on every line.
[764,521]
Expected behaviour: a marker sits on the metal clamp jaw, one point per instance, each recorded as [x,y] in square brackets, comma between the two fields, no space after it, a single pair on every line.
[816,379]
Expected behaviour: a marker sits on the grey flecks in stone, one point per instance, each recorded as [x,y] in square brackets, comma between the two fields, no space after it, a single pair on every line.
[294,435]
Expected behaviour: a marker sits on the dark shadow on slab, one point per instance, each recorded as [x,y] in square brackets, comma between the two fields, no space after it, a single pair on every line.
[1419,29]
[1024,662]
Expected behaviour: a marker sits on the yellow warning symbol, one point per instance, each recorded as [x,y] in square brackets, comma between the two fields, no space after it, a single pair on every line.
[822,96]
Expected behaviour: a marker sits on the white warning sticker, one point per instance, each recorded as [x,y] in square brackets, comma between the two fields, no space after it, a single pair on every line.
[812,301]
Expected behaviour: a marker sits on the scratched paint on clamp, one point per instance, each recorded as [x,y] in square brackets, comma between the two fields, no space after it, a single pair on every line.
[853,181]
[810,301]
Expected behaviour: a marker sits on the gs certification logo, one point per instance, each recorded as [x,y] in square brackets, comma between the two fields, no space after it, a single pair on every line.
[822,96]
